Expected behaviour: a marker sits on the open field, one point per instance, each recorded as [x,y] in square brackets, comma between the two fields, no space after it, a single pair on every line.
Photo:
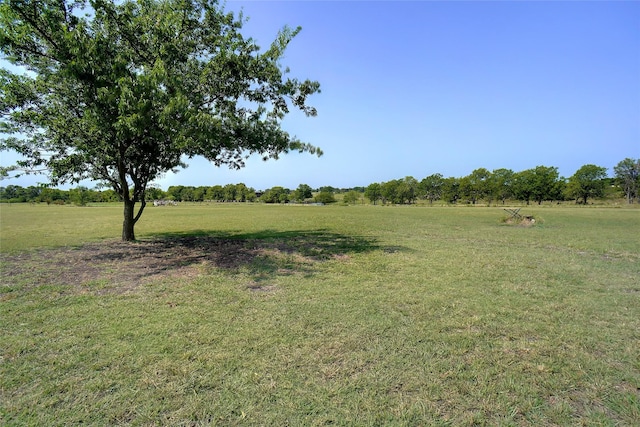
[234,314]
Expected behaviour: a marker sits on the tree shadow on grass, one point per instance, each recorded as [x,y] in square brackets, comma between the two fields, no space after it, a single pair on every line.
[262,254]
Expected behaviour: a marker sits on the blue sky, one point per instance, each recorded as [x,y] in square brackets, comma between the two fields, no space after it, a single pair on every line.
[421,87]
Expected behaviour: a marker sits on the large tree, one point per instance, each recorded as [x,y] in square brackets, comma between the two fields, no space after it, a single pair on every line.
[123,91]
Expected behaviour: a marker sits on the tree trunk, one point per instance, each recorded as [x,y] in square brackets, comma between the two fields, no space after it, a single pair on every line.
[130,220]
[128,223]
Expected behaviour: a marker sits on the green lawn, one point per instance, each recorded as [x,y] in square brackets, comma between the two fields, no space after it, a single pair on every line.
[235,314]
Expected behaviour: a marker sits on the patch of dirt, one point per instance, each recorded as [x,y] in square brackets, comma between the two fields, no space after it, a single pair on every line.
[255,287]
[121,266]
[526,221]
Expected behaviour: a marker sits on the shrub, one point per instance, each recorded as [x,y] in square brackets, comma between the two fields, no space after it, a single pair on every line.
[324,197]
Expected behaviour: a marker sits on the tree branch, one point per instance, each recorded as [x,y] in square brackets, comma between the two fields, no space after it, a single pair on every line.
[143,203]
[33,23]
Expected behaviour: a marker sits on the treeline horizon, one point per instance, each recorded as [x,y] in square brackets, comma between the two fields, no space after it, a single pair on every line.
[536,185]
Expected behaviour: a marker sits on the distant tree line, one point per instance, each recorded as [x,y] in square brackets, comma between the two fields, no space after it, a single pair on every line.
[536,185]
[42,194]
[217,193]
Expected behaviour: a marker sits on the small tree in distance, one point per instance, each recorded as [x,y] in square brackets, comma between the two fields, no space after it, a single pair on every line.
[501,184]
[588,181]
[628,175]
[80,195]
[325,197]
[351,197]
[432,187]
[373,192]
[539,184]
[302,193]
[276,195]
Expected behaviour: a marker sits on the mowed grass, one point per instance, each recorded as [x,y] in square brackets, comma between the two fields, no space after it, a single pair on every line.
[360,315]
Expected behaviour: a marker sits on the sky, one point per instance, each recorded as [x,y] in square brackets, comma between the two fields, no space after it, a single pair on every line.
[421,87]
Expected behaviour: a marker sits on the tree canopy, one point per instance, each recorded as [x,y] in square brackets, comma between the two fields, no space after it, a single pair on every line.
[122,91]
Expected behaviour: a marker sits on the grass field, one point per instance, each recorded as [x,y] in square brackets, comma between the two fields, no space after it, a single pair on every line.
[234,314]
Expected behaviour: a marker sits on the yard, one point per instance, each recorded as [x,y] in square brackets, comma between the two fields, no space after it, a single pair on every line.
[251,314]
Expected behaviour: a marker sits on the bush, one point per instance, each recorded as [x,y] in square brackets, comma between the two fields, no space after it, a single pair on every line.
[324,197]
